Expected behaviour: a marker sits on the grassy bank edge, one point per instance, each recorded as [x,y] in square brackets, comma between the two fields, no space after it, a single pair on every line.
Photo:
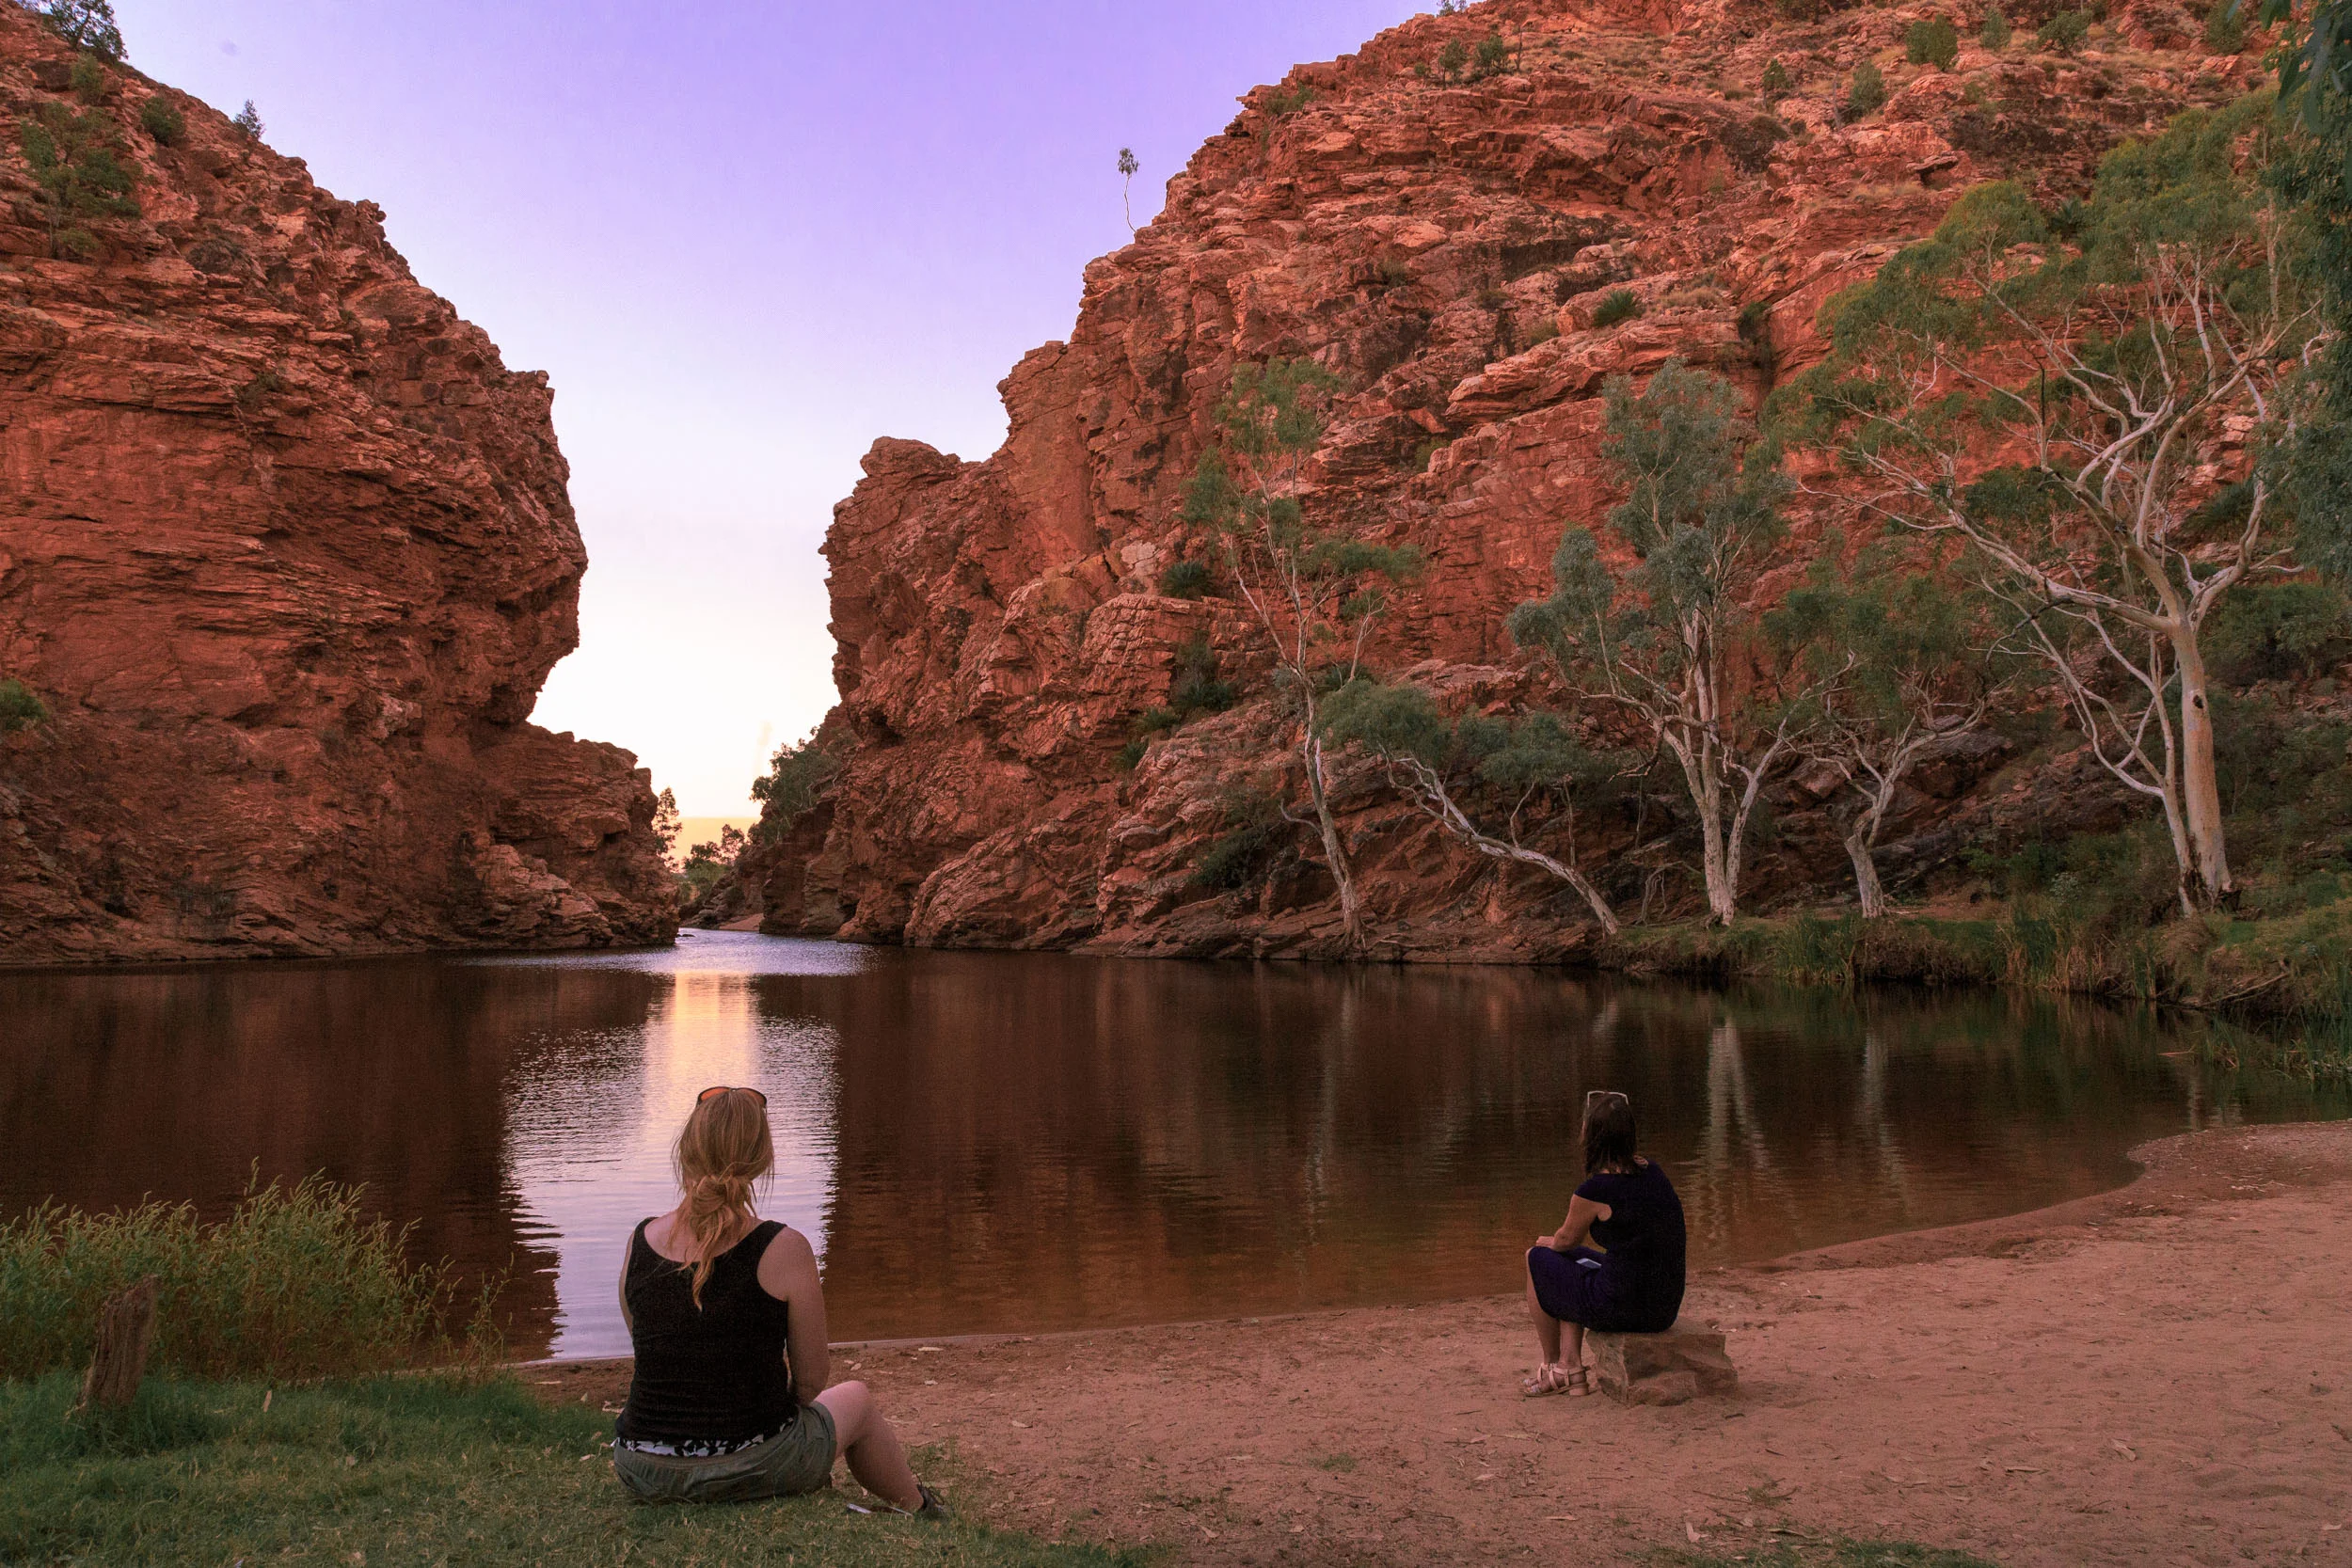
[2277,993]
[421,1468]
[408,1469]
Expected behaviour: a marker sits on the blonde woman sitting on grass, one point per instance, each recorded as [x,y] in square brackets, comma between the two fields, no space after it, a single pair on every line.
[727,1318]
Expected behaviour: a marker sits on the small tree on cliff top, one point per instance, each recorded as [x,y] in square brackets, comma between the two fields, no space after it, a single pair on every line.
[2060,411]
[665,822]
[1658,642]
[1434,762]
[1313,595]
[84,23]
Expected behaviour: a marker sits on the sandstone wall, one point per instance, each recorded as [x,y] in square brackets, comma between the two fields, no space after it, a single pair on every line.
[1442,246]
[287,551]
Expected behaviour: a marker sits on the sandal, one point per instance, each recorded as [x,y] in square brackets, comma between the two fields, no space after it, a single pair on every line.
[1553,1378]
[933,1507]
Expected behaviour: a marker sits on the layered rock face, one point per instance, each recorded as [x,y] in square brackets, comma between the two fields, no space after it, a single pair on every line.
[1440,240]
[286,552]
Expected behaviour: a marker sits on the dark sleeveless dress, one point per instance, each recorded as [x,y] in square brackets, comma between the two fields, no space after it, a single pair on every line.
[711,1379]
[1636,1286]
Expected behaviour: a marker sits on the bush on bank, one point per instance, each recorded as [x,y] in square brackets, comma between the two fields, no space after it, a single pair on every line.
[2288,979]
[295,1283]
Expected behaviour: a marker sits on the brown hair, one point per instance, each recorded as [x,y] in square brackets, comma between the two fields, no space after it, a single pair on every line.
[725,1148]
[1608,1132]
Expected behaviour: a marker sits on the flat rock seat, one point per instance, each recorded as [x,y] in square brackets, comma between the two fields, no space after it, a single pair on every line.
[1681,1363]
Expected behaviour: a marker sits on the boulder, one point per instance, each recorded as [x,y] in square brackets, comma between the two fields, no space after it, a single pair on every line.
[1681,1363]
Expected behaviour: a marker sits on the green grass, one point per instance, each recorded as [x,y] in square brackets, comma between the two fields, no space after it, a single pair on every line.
[293,1283]
[405,1470]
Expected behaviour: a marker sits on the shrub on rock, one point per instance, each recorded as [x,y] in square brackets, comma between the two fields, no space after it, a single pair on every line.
[161,121]
[2225,27]
[1867,94]
[1933,41]
[2064,33]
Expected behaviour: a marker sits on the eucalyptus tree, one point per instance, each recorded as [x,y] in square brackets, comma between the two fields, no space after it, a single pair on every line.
[2313,173]
[1433,762]
[1668,640]
[1313,594]
[1906,665]
[2052,397]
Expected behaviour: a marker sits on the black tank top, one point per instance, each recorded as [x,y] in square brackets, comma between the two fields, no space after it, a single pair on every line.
[1642,1276]
[715,1374]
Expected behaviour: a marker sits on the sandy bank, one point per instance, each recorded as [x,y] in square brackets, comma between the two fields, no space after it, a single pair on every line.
[2161,1374]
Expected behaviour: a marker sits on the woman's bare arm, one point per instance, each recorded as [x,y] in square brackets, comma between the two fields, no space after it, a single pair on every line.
[1582,1212]
[627,1247]
[787,1271]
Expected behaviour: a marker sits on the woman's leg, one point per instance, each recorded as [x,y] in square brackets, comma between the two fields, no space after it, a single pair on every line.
[876,1456]
[1546,1326]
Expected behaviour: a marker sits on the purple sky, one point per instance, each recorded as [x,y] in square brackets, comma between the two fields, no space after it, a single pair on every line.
[745,239]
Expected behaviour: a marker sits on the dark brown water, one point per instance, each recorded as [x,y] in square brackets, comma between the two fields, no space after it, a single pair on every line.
[991,1142]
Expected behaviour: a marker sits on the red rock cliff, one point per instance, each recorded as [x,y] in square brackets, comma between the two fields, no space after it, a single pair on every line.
[1440,243]
[287,553]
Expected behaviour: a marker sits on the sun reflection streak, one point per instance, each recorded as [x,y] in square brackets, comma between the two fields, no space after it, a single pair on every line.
[592,1154]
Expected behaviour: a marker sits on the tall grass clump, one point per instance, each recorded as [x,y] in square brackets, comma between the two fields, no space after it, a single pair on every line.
[293,1284]
[1618,305]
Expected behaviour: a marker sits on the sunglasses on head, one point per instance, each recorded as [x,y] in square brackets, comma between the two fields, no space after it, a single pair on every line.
[716,1089]
[1591,1095]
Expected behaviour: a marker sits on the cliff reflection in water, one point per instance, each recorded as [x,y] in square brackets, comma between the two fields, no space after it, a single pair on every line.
[1124,1142]
[1024,1142]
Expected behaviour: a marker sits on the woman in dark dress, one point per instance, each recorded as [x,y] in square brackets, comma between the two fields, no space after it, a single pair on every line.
[726,1315]
[1635,1286]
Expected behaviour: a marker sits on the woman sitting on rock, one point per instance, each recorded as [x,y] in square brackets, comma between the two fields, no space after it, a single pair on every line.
[1634,1286]
[727,1318]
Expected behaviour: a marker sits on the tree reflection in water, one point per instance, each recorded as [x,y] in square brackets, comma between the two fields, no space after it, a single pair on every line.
[1023,1142]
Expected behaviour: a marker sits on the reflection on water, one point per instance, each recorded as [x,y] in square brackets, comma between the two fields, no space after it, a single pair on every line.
[983,1141]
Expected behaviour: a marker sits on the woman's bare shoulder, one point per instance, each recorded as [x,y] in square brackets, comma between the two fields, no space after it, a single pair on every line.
[788,1262]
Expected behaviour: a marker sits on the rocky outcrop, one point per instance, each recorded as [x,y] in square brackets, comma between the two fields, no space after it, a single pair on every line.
[286,552]
[1441,242]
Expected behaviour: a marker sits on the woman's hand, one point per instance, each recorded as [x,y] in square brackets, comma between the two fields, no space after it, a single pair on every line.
[1551,1242]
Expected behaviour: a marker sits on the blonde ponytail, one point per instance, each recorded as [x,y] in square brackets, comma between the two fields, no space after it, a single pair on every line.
[723,1150]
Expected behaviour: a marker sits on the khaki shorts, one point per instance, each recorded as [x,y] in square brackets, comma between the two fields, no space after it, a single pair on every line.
[798,1458]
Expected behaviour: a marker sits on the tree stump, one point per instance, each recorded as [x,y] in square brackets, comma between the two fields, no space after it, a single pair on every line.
[1681,1363]
[126,1325]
